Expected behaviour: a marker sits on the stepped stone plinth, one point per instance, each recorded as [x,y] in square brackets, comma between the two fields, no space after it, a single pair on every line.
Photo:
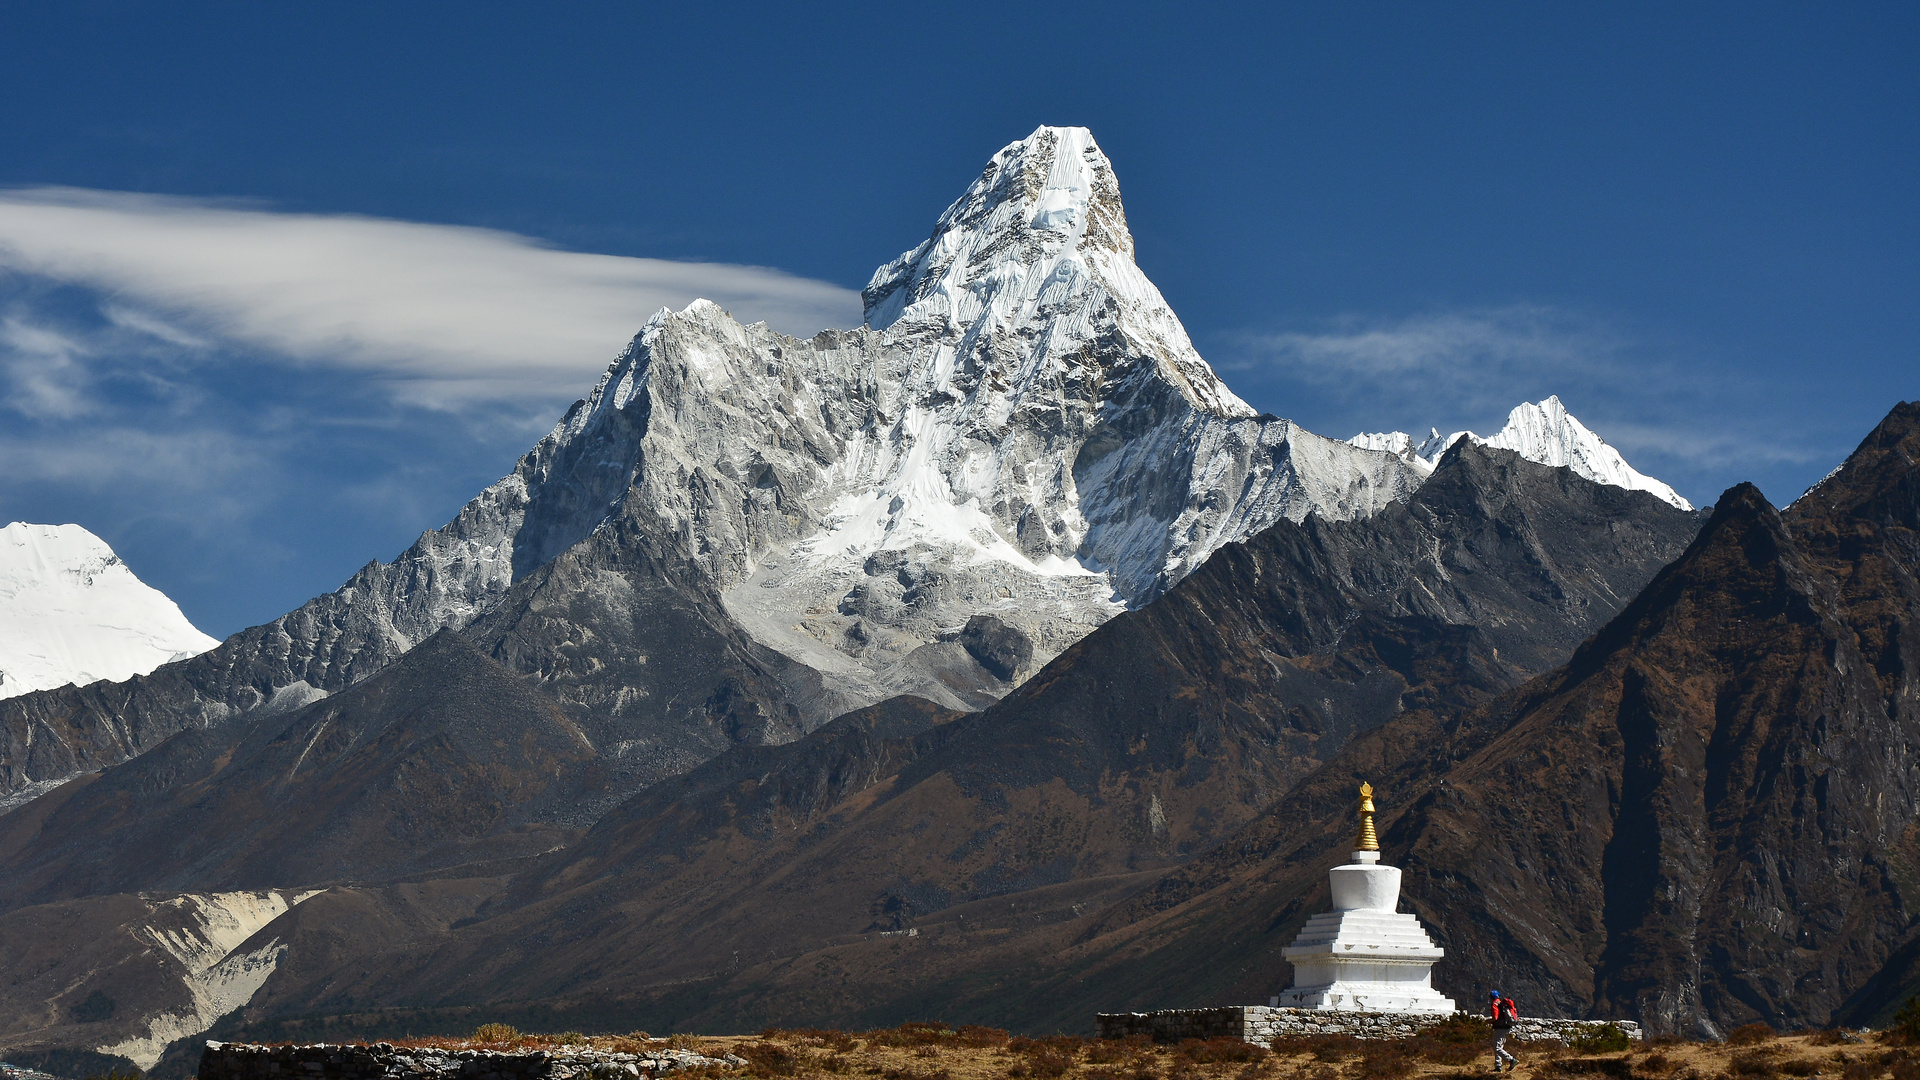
[1365,955]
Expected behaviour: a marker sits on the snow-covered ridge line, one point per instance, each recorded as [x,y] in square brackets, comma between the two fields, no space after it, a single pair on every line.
[72,612]
[1543,432]
[1022,430]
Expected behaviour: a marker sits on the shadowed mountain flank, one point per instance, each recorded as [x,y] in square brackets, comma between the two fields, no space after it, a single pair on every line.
[1703,819]
[995,837]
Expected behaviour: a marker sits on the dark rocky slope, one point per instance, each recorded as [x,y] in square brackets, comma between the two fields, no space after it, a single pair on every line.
[766,878]
[596,675]
[1705,818]
[442,759]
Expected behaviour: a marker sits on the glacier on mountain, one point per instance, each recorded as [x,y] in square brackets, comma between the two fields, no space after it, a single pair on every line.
[72,612]
[1018,444]
[1022,430]
[1545,432]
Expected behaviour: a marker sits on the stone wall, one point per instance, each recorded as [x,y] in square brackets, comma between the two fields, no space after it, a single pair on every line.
[1262,1024]
[383,1061]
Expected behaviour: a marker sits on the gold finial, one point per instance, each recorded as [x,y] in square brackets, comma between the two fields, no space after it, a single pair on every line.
[1368,841]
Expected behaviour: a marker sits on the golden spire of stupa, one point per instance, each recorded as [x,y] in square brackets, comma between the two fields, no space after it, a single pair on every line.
[1368,841]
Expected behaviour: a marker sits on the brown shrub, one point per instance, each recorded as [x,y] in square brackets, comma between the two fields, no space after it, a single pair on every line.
[1218,1051]
[1459,1028]
[1385,1059]
[1906,1068]
[1049,1063]
[1799,1067]
[1860,1070]
[1657,1063]
[769,1059]
[1750,1064]
[1108,1052]
[1457,1040]
[1750,1035]
[975,1035]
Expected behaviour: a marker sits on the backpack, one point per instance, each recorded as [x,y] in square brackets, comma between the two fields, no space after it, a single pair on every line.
[1505,1013]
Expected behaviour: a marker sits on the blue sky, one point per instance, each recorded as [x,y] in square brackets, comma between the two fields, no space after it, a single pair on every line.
[283,285]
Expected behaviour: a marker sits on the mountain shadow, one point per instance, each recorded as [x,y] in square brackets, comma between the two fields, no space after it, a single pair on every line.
[860,875]
[1705,818]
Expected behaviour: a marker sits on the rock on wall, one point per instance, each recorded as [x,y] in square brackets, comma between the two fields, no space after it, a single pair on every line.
[1262,1024]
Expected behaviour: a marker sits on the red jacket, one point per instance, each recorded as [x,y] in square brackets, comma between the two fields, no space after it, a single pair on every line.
[1503,1012]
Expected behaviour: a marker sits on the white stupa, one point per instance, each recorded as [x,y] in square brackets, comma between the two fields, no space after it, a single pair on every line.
[1364,956]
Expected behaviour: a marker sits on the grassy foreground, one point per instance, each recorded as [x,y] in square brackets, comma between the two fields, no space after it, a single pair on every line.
[934,1051]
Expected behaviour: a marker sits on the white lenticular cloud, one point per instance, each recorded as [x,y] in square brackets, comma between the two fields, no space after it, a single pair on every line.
[448,313]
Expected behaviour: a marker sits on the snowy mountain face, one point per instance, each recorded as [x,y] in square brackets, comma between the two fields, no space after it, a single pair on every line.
[72,612]
[1545,433]
[1020,443]
[1022,431]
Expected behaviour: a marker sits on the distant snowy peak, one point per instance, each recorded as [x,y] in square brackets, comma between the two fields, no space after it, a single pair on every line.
[1038,250]
[1545,433]
[71,612]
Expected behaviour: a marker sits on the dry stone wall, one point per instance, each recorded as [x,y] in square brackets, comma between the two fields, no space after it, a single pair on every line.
[1263,1024]
[384,1061]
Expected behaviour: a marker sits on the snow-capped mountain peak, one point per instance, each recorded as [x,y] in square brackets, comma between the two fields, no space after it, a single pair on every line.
[1036,245]
[1545,432]
[72,612]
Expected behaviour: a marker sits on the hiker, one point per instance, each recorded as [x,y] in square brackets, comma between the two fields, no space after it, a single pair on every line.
[1503,1013]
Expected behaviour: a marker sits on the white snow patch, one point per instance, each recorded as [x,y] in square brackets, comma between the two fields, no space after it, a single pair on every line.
[72,612]
[1546,433]
[14,800]
[219,978]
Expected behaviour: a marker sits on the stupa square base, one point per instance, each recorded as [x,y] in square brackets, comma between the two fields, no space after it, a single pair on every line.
[1361,997]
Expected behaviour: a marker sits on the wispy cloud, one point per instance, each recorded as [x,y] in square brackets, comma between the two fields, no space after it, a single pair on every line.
[442,314]
[1449,362]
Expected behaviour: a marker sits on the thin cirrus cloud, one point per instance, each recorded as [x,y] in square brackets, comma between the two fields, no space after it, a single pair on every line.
[1465,362]
[1462,369]
[442,314]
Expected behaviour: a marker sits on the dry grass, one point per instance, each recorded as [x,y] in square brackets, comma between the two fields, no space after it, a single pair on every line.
[934,1051]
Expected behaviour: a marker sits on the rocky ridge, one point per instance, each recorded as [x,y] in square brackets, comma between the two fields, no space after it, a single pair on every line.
[1545,433]
[1023,431]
